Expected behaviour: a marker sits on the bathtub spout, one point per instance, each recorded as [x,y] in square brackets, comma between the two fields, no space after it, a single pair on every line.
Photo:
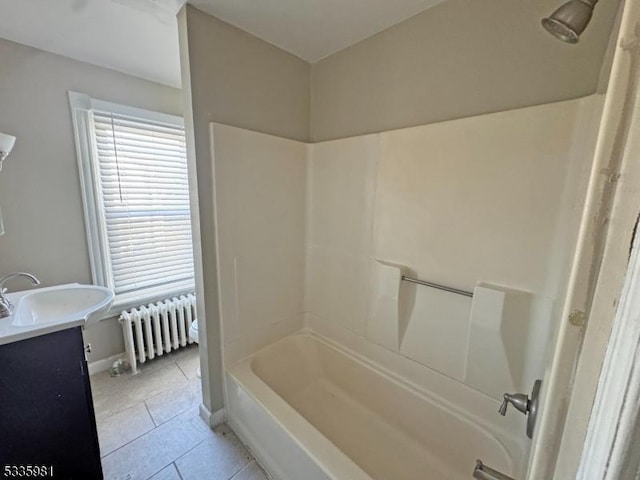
[482,472]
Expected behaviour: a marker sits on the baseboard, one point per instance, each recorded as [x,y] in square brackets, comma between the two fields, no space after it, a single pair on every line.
[212,419]
[104,364]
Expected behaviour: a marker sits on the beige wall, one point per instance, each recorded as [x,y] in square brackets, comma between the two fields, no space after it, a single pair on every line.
[39,185]
[230,77]
[242,81]
[458,59]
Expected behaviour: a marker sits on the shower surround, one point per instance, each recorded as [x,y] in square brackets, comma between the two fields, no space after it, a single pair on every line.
[315,238]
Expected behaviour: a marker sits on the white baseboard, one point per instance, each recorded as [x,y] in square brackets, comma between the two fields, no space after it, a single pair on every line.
[212,419]
[104,364]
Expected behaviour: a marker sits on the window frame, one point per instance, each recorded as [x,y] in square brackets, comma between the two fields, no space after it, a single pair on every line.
[92,200]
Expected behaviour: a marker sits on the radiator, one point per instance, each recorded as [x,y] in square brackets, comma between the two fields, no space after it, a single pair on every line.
[157,328]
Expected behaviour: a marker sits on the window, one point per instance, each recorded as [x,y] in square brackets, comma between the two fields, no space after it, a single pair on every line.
[133,170]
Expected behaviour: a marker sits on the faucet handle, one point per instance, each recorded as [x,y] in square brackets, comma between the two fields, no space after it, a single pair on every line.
[482,472]
[519,400]
[524,404]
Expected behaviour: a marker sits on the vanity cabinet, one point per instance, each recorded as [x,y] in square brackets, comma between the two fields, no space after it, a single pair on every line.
[47,422]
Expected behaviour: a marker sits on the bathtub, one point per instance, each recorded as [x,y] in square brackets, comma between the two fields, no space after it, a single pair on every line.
[311,410]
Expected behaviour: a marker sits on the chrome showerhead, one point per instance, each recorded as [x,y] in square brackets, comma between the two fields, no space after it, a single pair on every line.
[570,20]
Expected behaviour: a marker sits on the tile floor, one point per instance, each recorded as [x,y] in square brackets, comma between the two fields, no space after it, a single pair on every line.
[149,427]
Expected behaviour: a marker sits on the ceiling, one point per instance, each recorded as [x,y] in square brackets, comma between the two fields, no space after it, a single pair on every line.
[313,29]
[139,37]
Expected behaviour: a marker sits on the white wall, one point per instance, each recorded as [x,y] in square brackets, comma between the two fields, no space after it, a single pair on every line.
[39,184]
[260,203]
[340,196]
[475,199]
[488,199]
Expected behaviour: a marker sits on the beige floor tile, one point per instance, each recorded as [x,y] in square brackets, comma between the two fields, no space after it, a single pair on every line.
[168,404]
[251,471]
[190,350]
[190,363]
[149,426]
[103,382]
[112,395]
[143,457]
[167,473]
[123,427]
[218,457]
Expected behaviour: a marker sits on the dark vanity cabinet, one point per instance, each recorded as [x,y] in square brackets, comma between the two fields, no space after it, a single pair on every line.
[47,422]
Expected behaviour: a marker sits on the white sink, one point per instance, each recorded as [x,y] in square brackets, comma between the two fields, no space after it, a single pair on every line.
[61,304]
[46,310]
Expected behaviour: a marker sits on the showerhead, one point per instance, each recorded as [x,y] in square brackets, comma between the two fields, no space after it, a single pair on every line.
[570,20]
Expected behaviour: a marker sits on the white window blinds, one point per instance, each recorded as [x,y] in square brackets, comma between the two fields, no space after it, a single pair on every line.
[142,184]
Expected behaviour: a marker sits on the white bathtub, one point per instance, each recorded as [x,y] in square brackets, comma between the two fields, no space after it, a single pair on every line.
[310,410]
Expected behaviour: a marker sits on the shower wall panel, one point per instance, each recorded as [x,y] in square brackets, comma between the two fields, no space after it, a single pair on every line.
[484,199]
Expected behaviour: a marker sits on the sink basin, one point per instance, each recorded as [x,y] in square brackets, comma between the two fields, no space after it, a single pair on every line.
[62,303]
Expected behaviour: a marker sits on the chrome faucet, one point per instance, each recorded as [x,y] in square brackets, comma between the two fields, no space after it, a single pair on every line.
[6,307]
[525,404]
